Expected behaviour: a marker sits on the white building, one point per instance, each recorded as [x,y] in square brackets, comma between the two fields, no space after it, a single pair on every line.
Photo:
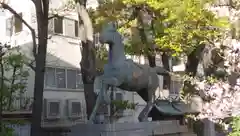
[63,92]
[63,83]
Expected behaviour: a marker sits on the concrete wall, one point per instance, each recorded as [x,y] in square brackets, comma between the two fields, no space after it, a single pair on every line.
[162,128]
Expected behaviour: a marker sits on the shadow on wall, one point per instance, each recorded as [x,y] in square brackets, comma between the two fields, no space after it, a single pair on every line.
[54,61]
[51,59]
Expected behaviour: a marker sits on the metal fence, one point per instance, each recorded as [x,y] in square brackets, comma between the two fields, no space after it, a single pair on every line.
[21,130]
[20,104]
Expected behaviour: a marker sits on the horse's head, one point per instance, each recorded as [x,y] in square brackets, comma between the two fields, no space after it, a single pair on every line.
[113,38]
[110,35]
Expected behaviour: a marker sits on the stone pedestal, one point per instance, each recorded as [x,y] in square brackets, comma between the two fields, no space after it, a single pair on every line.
[209,127]
[158,128]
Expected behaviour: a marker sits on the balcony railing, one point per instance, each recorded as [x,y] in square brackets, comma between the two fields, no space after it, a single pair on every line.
[19,104]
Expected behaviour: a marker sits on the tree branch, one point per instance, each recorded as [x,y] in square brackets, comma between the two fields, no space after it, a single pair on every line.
[53,16]
[87,23]
[31,65]
[34,1]
[1,92]
[7,7]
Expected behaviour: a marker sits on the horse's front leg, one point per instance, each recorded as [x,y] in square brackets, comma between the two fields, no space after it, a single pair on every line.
[95,109]
[109,81]
[102,96]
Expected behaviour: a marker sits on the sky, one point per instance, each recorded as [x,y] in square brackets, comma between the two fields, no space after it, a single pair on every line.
[92,3]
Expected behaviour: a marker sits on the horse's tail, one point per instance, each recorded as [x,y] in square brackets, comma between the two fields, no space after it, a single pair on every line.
[161,71]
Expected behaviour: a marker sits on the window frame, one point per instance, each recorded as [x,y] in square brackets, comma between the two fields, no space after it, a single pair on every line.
[21,24]
[50,108]
[65,71]
[76,30]
[45,82]
[9,26]
[12,25]
[72,108]
[54,26]
[63,33]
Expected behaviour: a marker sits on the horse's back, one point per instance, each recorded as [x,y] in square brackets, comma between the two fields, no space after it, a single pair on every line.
[137,76]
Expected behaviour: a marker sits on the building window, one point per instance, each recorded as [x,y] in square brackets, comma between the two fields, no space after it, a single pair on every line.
[18,24]
[65,26]
[76,28]
[9,26]
[60,78]
[54,108]
[76,108]
[13,25]
[58,25]
[50,80]
[71,79]
[63,78]
[79,80]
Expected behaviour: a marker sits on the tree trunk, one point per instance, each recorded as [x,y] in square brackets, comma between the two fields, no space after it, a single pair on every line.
[143,35]
[1,91]
[12,88]
[193,60]
[167,78]
[42,20]
[151,60]
[39,82]
[88,75]
[88,68]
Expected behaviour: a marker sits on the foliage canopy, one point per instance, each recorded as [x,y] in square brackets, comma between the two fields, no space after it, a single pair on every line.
[235,124]
[177,26]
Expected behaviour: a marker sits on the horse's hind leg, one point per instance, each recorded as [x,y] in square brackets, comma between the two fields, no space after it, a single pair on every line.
[153,84]
[143,116]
